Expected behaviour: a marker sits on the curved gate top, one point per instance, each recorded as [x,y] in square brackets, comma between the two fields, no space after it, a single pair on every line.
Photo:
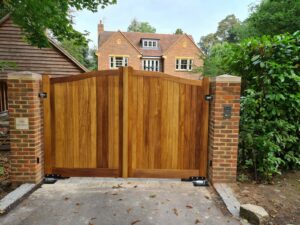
[125,122]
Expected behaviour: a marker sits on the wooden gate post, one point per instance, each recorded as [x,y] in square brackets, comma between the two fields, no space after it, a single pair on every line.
[47,125]
[224,128]
[204,129]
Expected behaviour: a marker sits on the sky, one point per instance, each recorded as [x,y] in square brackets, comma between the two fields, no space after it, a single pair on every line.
[194,17]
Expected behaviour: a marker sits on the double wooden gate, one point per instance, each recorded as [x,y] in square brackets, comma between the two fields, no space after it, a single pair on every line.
[125,122]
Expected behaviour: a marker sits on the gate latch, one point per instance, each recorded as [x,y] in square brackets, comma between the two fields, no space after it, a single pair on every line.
[208,97]
[42,95]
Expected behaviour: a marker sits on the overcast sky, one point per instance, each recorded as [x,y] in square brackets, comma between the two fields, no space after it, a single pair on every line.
[195,17]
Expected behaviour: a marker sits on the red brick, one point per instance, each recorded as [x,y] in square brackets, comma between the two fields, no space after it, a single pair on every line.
[223,133]
[25,144]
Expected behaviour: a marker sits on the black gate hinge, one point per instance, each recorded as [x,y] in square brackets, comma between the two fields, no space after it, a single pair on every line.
[42,95]
[208,97]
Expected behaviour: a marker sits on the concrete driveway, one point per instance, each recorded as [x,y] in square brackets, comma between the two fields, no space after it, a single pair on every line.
[93,201]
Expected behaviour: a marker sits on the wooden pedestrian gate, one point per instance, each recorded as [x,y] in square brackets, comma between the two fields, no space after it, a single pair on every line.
[125,123]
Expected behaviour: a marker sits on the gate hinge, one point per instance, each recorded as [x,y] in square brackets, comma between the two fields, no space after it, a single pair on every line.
[208,97]
[42,95]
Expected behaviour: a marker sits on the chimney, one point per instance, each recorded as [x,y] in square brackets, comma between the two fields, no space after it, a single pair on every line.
[100,27]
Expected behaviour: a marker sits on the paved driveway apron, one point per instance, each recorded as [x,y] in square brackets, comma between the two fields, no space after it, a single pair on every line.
[93,201]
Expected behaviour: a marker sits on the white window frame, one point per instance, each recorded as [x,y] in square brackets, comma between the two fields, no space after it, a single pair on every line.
[179,64]
[150,43]
[151,65]
[114,61]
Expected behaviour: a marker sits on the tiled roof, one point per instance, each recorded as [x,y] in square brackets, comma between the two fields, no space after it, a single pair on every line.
[165,41]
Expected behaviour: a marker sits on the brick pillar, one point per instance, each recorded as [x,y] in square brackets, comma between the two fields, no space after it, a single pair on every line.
[25,111]
[224,132]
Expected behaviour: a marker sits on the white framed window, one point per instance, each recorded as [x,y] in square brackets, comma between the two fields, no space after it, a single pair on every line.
[117,61]
[151,64]
[183,64]
[150,43]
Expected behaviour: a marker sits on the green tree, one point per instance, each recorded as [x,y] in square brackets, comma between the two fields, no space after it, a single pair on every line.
[81,52]
[144,27]
[225,32]
[93,58]
[214,62]
[206,42]
[270,109]
[35,17]
[225,29]
[271,17]
[178,31]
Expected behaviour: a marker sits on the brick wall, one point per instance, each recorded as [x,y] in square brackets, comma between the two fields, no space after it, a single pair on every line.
[26,144]
[183,48]
[223,133]
[118,45]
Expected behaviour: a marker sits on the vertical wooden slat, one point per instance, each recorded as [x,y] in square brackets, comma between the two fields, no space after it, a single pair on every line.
[140,123]
[116,127]
[198,126]
[126,75]
[132,123]
[164,126]
[204,129]
[47,125]
[187,123]
[69,153]
[93,123]
[157,124]
[145,132]
[75,93]
[120,75]
[60,121]
[181,121]
[102,121]
[175,125]
[111,121]
[193,118]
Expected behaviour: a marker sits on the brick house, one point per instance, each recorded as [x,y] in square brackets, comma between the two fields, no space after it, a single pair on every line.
[169,53]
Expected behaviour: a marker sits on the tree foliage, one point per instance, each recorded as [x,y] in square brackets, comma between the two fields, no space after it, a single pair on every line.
[137,26]
[214,60]
[178,31]
[225,32]
[81,52]
[35,17]
[273,17]
[225,29]
[270,71]
[270,108]
[206,42]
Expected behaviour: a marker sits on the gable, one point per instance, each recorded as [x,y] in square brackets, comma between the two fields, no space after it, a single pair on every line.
[50,61]
[117,44]
[184,47]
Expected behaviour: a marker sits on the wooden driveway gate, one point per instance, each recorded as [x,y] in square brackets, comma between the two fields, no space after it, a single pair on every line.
[125,123]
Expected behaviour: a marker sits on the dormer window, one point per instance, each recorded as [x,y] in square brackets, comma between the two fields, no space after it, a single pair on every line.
[149,43]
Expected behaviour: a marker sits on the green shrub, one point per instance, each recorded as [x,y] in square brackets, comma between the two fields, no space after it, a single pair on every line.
[270,106]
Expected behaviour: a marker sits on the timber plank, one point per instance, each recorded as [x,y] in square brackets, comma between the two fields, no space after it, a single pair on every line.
[146,153]
[102,121]
[164,173]
[140,155]
[47,125]
[164,125]
[204,129]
